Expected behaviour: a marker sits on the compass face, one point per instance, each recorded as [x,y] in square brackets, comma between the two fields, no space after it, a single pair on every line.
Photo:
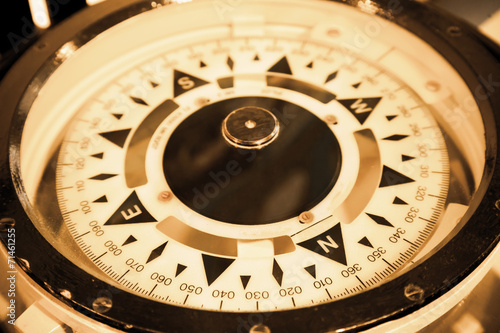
[249,161]
[164,204]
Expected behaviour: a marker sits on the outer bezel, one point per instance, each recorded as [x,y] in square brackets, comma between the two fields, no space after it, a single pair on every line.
[475,58]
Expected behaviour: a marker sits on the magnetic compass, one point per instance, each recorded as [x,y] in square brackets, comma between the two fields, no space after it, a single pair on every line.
[263,166]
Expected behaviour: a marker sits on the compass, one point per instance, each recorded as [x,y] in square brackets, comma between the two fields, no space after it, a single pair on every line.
[263,166]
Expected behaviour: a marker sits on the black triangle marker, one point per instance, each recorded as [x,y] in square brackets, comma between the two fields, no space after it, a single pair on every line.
[215,266]
[329,244]
[129,240]
[184,82]
[361,108]
[310,65]
[98,155]
[391,177]
[399,201]
[405,158]
[364,241]
[391,117]
[180,269]
[130,211]
[311,270]
[101,199]
[118,137]
[282,66]
[244,280]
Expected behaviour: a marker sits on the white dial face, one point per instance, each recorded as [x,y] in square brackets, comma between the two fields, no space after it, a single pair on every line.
[132,205]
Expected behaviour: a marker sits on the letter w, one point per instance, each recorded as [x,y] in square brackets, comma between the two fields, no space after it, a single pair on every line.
[360,107]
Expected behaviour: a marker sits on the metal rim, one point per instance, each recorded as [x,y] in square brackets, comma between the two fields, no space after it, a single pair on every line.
[437,275]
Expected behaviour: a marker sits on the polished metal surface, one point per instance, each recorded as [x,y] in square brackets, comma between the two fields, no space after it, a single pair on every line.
[250,127]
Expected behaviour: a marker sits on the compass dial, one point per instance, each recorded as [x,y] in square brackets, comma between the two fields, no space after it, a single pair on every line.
[252,162]
[162,202]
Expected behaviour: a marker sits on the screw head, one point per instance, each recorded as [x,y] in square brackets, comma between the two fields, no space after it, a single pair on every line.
[306,217]
[454,31]
[66,293]
[165,196]
[331,119]
[250,124]
[102,304]
[414,293]
[260,328]
[202,101]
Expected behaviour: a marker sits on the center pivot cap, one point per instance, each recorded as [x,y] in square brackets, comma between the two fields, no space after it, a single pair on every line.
[250,127]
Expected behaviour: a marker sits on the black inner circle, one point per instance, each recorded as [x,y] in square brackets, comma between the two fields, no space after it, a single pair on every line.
[252,187]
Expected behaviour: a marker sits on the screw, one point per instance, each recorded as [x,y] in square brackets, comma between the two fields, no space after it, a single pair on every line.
[414,293]
[260,328]
[250,124]
[306,217]
[454,31]
[66,293]
[497,204]
[331,119]
[102,304]
[165,196]
[201,101]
